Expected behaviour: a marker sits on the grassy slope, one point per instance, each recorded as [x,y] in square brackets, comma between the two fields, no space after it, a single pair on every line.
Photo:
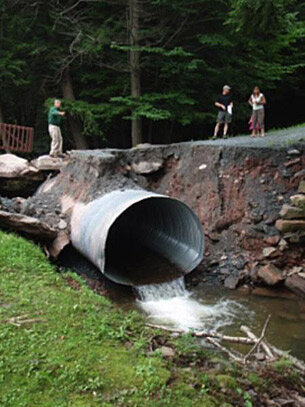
[85,352]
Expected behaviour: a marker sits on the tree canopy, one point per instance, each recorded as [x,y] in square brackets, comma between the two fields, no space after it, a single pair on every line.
[148,71]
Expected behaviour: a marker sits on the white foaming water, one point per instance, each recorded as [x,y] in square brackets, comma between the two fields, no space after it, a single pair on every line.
[171,304]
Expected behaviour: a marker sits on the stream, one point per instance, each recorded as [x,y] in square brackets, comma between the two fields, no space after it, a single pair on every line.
[208,306]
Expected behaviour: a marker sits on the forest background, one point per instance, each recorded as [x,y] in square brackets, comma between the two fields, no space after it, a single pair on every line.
[133,71]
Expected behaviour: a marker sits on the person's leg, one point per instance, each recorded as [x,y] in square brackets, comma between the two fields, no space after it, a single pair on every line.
[57,137]
[216,130]
[219,121]
[255,121]
[53,141]
[225,130]
[227,121]
[60,142]
[261,121]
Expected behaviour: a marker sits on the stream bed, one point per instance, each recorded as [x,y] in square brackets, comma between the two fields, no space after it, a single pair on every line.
[207,306]
[211,307]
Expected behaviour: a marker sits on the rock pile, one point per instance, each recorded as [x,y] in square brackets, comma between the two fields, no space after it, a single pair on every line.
[292,222]
[292,227]
[19,176]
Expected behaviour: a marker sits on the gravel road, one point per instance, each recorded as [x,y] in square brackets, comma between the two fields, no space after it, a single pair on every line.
[274,139]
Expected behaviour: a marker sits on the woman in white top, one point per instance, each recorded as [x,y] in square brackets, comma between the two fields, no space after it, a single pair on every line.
[257,100]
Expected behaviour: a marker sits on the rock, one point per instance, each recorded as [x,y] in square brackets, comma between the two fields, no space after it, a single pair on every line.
[291,212]
[62,224]
[61,241]
[293,151]
[302,187]
[231,282]
[47,163]
[290,225]
[239,263]
[295,270]
[256,216]
[283,244]
[147,167]
[299,174]
[12,166]
[142,145]
[167,352]
[298,200]
[270,274]
[202,167]
[27,224]
[295,237]
[260,356]
[224,271]
[296,284]
[273,293]
[269,252]
[272,240]
[245,289]
[292,162]
[271,218]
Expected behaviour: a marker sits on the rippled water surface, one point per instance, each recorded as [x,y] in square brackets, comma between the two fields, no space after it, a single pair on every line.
[209,307]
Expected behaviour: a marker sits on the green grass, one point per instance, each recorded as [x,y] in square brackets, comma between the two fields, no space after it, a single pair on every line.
[80,350]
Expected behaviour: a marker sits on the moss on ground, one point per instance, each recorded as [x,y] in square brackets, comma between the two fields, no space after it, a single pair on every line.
[77,349]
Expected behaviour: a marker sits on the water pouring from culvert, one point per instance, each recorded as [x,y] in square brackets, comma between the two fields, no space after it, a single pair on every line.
[171,304]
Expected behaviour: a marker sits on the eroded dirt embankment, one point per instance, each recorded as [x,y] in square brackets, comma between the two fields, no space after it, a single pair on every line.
[237,192]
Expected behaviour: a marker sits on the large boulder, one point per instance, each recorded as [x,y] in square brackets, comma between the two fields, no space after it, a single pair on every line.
[292,212]
[290,225]
[298,200]
[12,166]
[302,187]
[296,283]
[270,274]
[28,225]
[47,163]
[147,167]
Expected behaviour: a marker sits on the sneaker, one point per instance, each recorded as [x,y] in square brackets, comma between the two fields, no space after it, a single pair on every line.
[214,137]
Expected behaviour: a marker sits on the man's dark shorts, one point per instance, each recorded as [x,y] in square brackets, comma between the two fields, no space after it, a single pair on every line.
[224,117]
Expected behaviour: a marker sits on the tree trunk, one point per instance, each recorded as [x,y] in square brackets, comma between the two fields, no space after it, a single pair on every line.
[135,73]
[74,122]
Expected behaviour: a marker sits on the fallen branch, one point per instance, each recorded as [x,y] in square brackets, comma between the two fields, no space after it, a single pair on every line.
[298,364]
[22,319]
[201,334]
[212,337]
[251,335]
[260,340]
[225,350]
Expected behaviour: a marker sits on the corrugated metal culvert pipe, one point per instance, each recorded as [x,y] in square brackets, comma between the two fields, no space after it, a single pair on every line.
[137,237]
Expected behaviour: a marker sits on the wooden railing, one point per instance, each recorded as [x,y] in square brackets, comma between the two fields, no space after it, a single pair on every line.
[16,138]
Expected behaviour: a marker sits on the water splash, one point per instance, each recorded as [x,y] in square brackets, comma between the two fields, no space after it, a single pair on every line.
[171,304]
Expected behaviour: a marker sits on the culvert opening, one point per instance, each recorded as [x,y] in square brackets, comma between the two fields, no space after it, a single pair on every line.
[155,240]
